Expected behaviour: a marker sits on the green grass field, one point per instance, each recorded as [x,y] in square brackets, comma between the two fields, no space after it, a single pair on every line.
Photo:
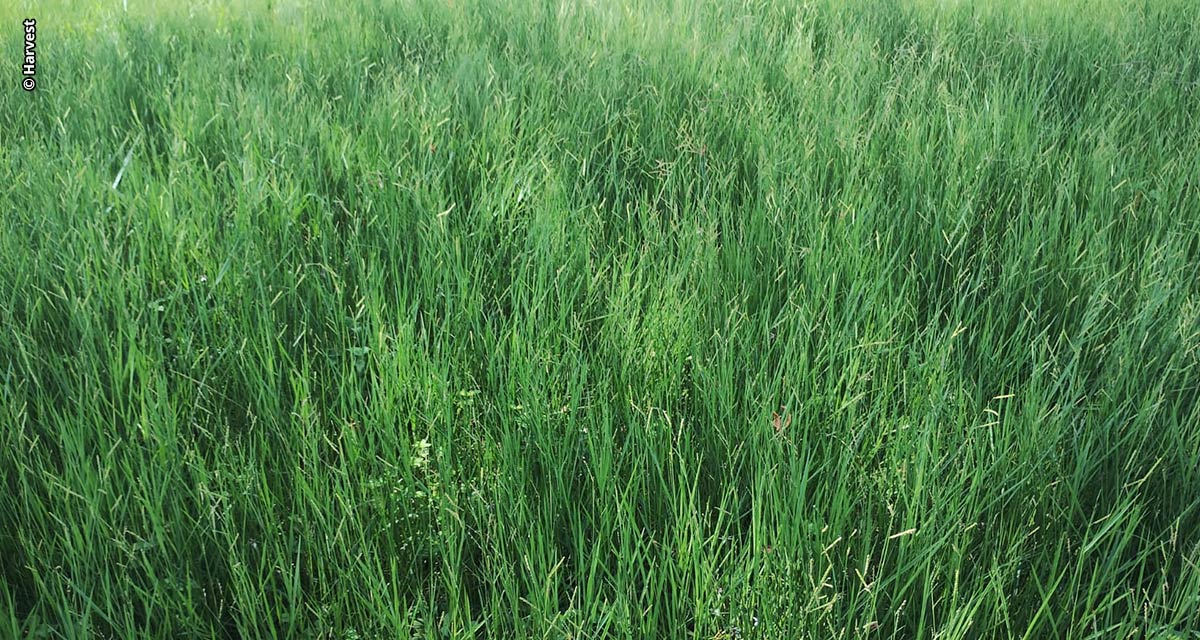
[601,319]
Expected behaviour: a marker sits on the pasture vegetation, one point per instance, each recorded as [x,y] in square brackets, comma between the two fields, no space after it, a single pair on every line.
[539,319]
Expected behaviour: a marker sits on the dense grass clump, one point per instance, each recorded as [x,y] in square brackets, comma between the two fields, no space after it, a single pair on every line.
[533,319]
